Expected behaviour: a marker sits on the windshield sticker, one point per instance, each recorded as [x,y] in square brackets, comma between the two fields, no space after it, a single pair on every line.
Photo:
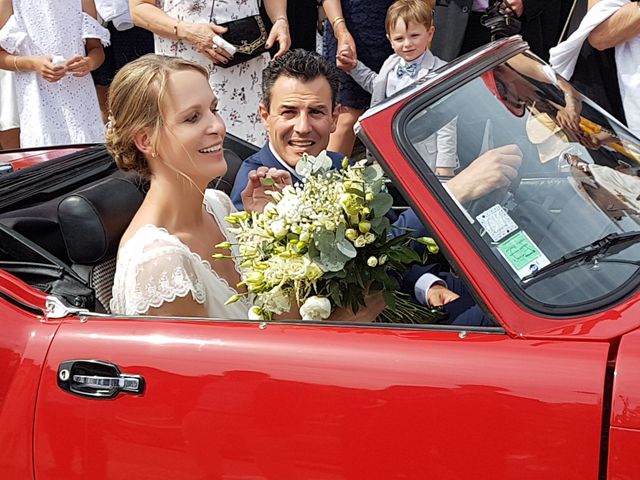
[522,254]
[497,222]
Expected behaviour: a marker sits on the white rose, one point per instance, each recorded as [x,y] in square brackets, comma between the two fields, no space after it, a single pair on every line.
[255,313]
[289,208]
[278,301]
[316,308]
[279,229]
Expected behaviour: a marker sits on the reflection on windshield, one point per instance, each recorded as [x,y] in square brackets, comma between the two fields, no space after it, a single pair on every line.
[577,180]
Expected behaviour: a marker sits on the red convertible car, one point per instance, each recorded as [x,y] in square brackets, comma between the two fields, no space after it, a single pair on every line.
[551,391]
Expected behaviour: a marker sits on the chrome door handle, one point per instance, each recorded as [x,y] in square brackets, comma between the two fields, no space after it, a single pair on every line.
[123,382]
[93,378]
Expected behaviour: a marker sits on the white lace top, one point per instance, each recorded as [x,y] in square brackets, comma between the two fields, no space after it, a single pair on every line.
[67,111]
[155,267]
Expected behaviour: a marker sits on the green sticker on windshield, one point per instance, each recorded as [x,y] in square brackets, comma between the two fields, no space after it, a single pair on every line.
[522,254]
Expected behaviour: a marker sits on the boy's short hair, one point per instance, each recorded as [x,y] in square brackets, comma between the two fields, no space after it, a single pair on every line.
[419,11]
[303,65]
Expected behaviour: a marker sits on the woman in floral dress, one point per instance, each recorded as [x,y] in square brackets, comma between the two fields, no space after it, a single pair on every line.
[185,29]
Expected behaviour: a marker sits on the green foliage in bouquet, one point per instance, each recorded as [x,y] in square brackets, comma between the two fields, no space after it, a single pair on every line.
[324,243]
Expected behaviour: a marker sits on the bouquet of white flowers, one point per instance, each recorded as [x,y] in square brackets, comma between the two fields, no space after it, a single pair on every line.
[324,243]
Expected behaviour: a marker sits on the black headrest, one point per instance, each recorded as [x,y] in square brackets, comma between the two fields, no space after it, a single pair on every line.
[93,220]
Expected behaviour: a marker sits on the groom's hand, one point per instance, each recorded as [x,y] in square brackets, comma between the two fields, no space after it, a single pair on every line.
[254,196]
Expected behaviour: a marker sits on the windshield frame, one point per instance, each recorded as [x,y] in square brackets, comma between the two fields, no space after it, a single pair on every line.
[430,96]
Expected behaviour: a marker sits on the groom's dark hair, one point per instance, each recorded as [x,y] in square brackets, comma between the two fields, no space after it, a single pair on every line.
[303,65]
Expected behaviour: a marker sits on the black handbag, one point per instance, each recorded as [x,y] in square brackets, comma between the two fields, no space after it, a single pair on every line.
[248,35]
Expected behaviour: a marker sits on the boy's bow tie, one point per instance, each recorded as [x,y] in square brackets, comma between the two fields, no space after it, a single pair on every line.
[410,69]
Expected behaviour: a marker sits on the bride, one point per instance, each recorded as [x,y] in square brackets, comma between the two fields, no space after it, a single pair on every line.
[164,124]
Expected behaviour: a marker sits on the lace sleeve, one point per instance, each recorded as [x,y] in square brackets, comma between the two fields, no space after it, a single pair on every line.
[160,275]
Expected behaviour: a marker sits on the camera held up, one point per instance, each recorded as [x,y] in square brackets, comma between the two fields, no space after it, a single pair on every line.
[501,20]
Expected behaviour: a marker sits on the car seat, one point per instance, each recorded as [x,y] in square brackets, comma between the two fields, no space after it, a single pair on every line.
[92,221]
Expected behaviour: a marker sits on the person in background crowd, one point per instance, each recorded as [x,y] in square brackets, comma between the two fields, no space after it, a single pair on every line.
[609,23]
[128,42]
[9,119]
[53,46]
[303,30]
[186,29]
[595,74]
[354,27]
[409,27]
[459,27]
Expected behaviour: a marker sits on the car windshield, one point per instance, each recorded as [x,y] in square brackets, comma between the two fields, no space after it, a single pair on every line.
[564,230]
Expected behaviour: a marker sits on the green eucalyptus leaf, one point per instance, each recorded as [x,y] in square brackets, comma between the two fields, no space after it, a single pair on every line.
[347,248]
[267,182]
[373,173]
[332,260]
[381,203]
[380,224]
[325,240]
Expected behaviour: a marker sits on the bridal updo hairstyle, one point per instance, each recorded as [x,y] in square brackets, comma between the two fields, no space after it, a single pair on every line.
[135,103]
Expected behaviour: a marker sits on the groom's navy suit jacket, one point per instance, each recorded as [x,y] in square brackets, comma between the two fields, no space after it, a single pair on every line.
[463,311]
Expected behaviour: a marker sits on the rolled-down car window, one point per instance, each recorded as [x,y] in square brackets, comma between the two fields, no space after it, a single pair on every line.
[565,230]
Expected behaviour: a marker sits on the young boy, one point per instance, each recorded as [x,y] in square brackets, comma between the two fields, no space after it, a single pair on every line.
[409,26]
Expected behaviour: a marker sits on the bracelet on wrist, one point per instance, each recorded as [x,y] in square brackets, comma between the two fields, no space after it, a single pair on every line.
[15,63]
[175,28]
[336,21]
[281,17]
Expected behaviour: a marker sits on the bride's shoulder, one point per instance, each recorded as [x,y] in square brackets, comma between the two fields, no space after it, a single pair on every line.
[218,201]
[146,238]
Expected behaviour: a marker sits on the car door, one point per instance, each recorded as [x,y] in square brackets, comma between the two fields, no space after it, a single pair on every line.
[246,399]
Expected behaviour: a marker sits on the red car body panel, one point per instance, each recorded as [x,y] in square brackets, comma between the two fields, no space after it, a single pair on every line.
[297,401]
[624,461]
[624,440]
[24,342]
[23,159]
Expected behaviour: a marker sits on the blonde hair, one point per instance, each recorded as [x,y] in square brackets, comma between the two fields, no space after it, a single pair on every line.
[135,103]
[419,11]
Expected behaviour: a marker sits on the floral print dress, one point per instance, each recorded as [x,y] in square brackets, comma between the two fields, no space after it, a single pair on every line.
[238,87]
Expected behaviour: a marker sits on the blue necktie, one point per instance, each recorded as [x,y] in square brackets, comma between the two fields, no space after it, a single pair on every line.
[410,70]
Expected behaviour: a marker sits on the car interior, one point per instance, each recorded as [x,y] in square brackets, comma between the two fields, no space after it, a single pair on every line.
[61,222]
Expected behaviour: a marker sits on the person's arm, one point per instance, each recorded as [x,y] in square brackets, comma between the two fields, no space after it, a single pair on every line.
[145,14]
[364,76]
[16,63]
[277,11]
[333,9]
[80,65]
[6,10]
[447,149]
[496,168]
[620,27]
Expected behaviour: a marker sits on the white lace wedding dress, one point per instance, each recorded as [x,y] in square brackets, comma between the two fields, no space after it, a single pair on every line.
[155,267]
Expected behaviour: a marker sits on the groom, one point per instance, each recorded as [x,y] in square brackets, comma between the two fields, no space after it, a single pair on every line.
[299,110]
